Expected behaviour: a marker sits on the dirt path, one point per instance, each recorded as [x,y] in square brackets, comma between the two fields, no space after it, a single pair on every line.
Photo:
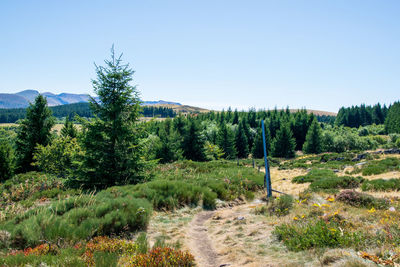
[199,242]
[229,236]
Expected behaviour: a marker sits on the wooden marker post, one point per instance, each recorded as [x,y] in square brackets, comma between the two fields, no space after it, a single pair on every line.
[267,179]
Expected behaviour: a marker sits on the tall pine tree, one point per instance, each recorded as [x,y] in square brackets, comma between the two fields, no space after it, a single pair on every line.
[114,155]
[170,144]
[6,161]
[193,142]
[235,117]
[226,141]
[284,144]
[258,149]
[69,129]
[313,144]
[242,145]
[34,130]
[392,123]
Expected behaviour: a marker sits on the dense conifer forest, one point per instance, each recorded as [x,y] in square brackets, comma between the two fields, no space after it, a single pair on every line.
[80,109]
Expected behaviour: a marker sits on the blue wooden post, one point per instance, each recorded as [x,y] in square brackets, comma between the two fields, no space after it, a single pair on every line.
[267,180]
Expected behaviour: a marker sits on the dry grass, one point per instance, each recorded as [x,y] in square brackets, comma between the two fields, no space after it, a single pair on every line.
[170,225]
[57,127]
[281,180]
[183,108]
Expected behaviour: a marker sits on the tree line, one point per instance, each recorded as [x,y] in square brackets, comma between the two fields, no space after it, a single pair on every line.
[114,147]
[154,111]
[233,134]
[82,110]
[362,115]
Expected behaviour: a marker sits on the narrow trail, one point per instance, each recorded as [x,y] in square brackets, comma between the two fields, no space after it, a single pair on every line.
[229,236]
[198,240]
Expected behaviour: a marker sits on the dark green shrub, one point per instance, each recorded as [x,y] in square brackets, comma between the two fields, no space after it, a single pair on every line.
[280,206]
[79,218]
[165,194]
[316,234]
[323,179]
[314,175]
[209,199]
[363,200]
[225,178]
[337,182]
[6,161]
[381,185]
[380,166]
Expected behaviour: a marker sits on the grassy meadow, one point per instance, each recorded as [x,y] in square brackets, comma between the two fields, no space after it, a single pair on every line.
[335,218]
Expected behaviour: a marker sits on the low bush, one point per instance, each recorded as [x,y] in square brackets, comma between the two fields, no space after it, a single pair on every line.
[69,257]
[316,234]
[78,218]
[379,166]
[381,185]
[102,248]
[99,251]
[161,257]
[314,175]
[23,186]
[336,183]
[166,195]
[224,178]
[280,206]
[323,179]
[362,200]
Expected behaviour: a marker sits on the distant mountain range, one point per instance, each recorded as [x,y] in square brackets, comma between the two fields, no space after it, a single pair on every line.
[23,98]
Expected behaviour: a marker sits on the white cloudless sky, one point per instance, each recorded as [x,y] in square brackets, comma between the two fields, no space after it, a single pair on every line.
[213,54]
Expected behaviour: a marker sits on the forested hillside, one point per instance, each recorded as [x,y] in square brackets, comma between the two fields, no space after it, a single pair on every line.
[80,109]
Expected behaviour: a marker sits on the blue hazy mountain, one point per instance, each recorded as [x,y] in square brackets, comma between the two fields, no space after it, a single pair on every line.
[23,98]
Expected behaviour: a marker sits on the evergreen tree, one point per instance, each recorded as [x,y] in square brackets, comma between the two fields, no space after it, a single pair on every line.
[180,125]
[249,133]
[194,142]
[274,123]
[252,118]
[34,130]
[258,150]
[235,117]
[357,118]
[6,161]
[300,126]
[313,142]
[341,117]
[229,115]
[385,111]
[242,145]
[377,114]
[363,116]
[222,117]
[392,123]
[170,145]
[69,129]
[114,155]
[226,141]
[284,144]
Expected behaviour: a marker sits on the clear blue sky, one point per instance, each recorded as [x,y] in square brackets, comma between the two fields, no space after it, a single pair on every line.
[213,54]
